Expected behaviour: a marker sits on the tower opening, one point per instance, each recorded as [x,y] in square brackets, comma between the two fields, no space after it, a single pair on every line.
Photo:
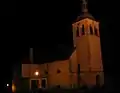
[96,31]
[91,30]
[83,30]
[77,34]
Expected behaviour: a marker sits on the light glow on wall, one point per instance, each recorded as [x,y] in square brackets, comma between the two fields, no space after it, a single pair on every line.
[36,73]
[13,88]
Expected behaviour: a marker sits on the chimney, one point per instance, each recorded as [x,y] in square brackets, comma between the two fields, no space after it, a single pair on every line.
[31,55]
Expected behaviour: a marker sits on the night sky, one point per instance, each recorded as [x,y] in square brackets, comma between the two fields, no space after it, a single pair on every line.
[8,8]
[44,25]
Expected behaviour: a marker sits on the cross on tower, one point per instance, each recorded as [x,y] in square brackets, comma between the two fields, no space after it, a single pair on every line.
[84,6]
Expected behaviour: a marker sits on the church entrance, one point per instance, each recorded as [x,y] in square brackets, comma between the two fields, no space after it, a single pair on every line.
[34,84]
[44,83]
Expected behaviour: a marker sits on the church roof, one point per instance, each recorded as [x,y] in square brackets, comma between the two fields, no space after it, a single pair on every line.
[85,13]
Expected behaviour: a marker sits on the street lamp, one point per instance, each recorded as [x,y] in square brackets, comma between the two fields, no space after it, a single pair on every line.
[7,85]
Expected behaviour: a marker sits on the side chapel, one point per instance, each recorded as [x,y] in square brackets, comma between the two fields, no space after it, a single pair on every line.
[84,65]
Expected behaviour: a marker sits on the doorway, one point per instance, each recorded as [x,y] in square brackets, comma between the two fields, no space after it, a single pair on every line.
[44,83]
[34,84]
[98,80]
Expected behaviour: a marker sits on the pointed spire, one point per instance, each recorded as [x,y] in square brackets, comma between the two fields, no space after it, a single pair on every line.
[84,6]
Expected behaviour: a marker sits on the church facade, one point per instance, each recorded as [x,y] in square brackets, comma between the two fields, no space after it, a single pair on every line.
[84,65]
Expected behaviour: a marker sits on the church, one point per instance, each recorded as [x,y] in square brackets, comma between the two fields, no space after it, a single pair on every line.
[82,67]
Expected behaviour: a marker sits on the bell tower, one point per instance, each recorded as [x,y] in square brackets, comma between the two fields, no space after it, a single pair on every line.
[86,39]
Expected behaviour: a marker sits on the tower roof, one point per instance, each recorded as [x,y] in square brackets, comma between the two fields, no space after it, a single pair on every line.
[85,13]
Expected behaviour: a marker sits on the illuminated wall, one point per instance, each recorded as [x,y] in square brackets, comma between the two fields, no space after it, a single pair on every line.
[28,70]
[73,68]
[61,78]
[53,77]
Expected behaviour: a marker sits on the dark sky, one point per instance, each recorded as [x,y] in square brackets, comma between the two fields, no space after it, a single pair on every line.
[43,25]
[8,8]
[46,26]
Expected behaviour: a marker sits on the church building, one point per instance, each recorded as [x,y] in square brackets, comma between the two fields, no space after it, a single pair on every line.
[82,67]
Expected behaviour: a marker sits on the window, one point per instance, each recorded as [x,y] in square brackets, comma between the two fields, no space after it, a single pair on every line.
[58,71]
[44,83]
[34,84]
[83,32]
[77,34]
[91,30]
[96,31]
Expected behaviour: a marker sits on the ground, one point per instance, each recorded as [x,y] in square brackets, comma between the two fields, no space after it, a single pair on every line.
[84,89]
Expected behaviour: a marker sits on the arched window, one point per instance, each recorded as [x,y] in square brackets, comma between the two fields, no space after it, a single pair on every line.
[83,30]
[91,30]
[96,31]
[77,33]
